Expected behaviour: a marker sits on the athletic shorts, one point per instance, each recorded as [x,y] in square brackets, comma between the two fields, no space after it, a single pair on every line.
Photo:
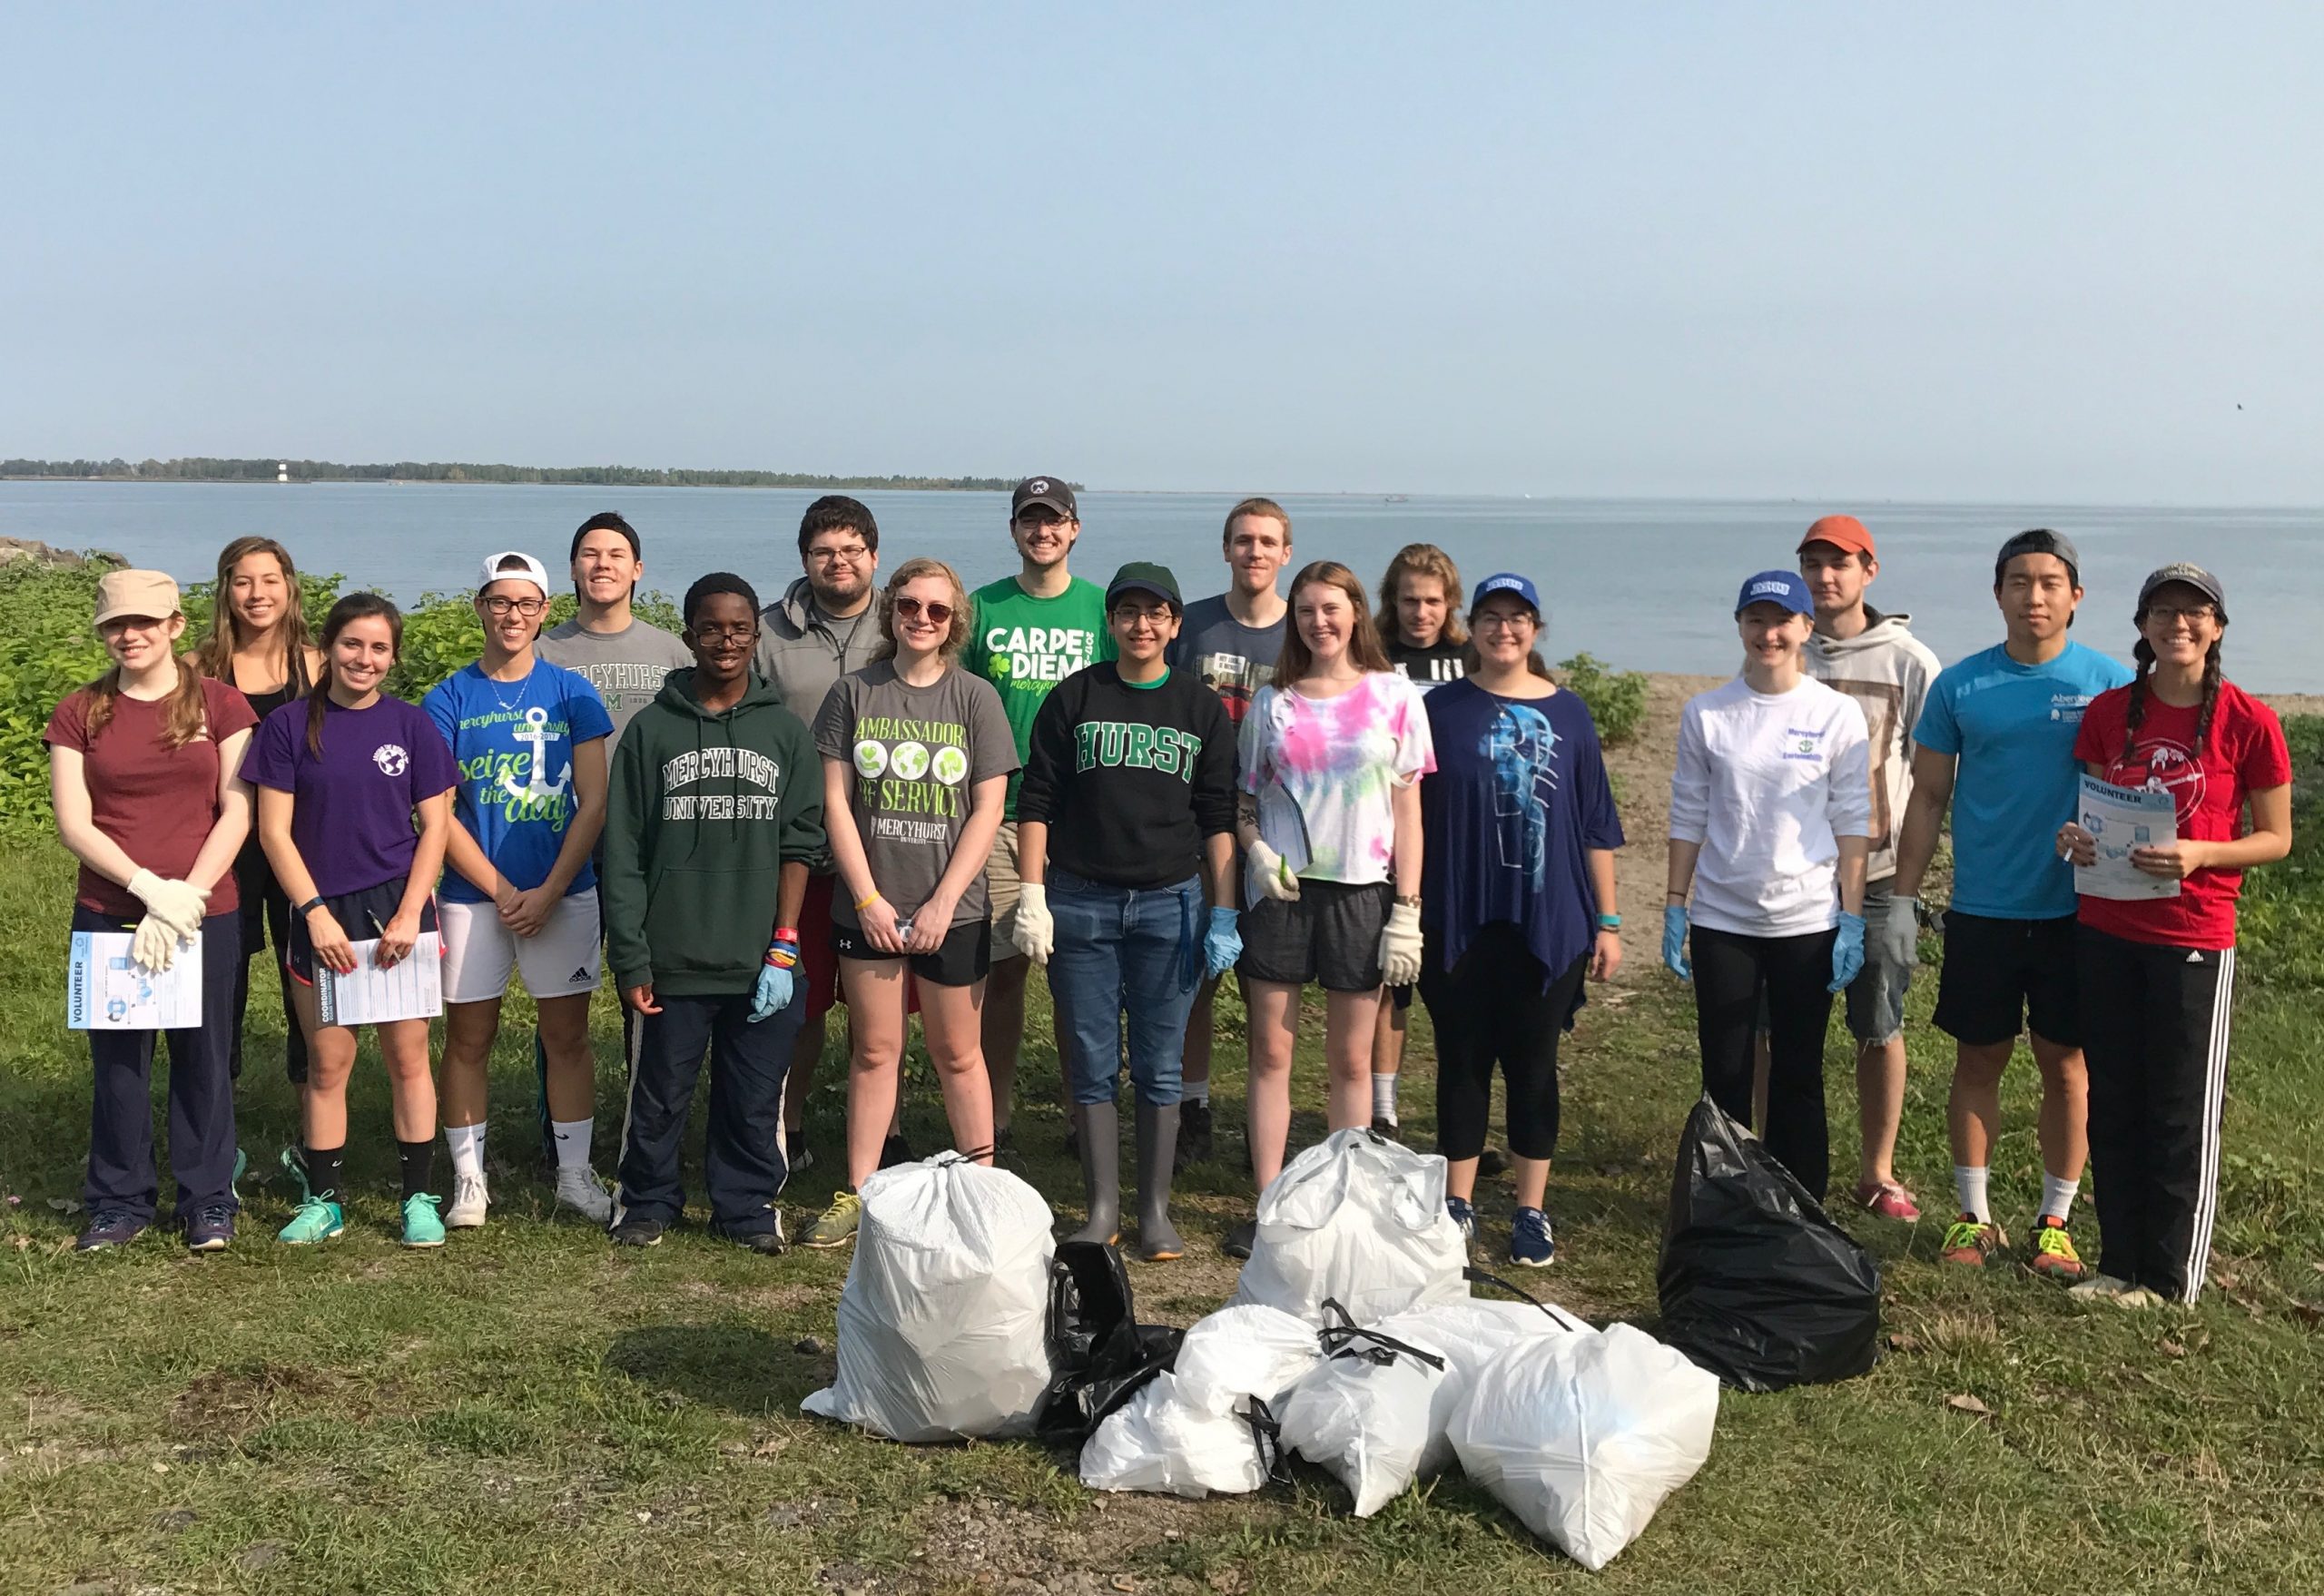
[2004,976]
[360,914]
[557,962]
[816,959]
[963,958]
[1000,885]
[1329,934]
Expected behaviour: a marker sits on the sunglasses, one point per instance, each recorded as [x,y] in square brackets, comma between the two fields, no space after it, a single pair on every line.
[937,614]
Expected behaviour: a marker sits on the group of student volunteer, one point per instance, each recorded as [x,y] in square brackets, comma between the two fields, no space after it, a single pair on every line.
[897,796]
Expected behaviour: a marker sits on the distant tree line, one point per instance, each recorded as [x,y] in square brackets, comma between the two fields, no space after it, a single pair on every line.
[203,468]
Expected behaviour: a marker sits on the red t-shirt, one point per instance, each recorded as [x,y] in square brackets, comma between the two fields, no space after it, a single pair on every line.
[2244,753]
[158,803]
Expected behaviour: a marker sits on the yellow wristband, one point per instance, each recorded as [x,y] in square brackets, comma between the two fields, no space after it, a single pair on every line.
[865,903]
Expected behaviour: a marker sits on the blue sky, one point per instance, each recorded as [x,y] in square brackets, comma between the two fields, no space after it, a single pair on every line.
[1966,253]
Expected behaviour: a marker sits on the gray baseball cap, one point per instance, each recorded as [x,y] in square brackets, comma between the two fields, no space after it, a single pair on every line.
[2193,575]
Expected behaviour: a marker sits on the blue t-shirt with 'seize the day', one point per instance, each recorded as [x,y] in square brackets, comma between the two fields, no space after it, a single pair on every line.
[514,743]
[2012,727]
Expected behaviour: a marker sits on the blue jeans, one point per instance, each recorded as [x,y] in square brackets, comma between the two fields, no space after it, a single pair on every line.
[1124,949]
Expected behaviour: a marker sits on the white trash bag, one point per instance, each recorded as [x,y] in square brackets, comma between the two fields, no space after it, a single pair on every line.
[1361,1219]
[1469,1334]
[943,1320]
[1207,1425]
[1366,1413]
[1582,1436]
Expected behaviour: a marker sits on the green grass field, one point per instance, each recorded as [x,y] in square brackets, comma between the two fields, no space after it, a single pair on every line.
[528,1409]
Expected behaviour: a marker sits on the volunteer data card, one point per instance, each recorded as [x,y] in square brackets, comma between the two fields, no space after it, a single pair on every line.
[412,987]
[106,989]
[2120,819]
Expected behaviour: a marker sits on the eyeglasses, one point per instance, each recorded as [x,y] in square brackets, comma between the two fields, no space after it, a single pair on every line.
[527,607]
[937,614]
[1502,621]
[850,555]
[742,633]
[2170,614]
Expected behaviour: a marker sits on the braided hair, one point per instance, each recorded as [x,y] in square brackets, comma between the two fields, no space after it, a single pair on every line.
[2214,677]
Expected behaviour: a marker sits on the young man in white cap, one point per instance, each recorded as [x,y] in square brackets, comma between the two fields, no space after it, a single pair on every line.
[1997,747]
[520,893]
[1031,631]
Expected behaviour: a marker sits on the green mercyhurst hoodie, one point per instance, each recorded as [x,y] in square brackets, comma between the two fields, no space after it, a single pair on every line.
[705,809]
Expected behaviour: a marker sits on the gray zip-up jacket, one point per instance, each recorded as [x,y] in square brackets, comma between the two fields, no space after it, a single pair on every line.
[803,651]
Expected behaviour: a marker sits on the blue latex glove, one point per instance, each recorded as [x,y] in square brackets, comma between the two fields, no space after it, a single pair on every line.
[773,994]
[1222,944]
[1847,952]
[1674,940]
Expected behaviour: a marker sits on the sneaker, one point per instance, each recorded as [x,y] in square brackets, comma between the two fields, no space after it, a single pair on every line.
[797,1157]
[1194,1134]
[1384,1127]
[1004,1140]
[836,1225]
[767,1244]
[2139,1296]
[1465,1215]
[579,1190]
[1240,1240]
[469,1200]
[2098,1288]
[422,1224]
[1530,1244]
[316,1220]
[1889,1200]
[241,1168]
[109,1228]
[210,1228]
[2053,1255]
[294,1169]
[895,1150]
[1971,1241]
[637,1231]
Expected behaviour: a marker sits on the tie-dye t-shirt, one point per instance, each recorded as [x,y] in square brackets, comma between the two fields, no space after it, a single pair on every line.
[1340,761]
[1518,799]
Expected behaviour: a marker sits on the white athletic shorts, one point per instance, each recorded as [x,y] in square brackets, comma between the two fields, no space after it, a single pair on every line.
[479,951]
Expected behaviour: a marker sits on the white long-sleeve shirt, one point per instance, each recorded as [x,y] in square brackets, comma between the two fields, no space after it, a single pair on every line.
[1766,784]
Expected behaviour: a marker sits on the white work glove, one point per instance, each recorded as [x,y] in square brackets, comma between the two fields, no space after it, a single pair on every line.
[1274,878]
[1036,934]
[155,945]
[1899,946]
[176,904]
[1400,946]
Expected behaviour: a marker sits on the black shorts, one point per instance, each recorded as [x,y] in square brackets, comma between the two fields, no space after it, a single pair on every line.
[2003,976]
[961,959]
[360,914]
[1329,934]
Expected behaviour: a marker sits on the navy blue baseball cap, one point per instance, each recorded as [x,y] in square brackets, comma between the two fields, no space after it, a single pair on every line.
[1506,582]
[1783,587]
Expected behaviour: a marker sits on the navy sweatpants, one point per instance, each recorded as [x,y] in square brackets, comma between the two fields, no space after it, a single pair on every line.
[121,1173]
[742,1161]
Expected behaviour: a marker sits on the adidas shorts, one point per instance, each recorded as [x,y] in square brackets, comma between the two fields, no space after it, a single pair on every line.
[557,962]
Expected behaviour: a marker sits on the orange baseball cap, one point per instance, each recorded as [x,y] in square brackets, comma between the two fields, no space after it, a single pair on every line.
[1845,533]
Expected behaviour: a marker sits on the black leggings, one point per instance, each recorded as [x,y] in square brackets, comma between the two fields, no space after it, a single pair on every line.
[1730,971]
[266,917]
[1491,1009]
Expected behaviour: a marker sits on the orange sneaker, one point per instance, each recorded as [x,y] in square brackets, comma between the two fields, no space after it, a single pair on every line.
[2052,1253]
[1972,1241]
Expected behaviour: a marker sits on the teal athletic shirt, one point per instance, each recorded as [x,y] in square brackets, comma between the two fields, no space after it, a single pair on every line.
[2012,727]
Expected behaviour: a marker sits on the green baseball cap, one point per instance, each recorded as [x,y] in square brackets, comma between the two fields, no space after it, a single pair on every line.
[1144,576]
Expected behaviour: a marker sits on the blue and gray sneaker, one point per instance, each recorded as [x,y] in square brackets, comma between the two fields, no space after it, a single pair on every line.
[210,1228]
[1465,1215]
[316,1220]
[109,1228]
[1530,1244]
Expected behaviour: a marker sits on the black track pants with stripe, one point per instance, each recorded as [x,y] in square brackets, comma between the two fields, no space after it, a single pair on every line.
[2155,1034]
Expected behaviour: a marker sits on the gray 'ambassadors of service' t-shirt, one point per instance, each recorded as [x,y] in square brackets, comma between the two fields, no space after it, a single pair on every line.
[918,753]
[626,667]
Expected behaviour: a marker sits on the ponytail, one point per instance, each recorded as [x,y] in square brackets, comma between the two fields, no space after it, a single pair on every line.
[183,712]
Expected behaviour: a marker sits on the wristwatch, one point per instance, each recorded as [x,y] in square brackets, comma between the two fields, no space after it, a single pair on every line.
[1411,901]
[310,905]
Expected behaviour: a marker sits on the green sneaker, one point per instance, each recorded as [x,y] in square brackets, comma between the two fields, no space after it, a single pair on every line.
[294,1169]
[316,1220]
[422,1226]
[234,1181]
[837,1226]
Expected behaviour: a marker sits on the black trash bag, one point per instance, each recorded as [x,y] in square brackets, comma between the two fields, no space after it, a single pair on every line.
[1758,1285]
[1100,1355]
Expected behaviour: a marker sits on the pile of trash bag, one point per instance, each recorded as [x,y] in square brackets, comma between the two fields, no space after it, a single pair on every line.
[1206,1426]
[1360,1221]
[943,1321]
[1756,1283]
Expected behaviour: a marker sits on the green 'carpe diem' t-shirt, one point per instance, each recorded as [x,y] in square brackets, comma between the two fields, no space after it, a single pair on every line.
[1025,645]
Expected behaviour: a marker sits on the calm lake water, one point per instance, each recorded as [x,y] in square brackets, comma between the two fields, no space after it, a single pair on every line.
[1645,584]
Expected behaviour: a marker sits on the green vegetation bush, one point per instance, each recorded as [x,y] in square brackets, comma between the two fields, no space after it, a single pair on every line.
[2282,923]
[1617,699]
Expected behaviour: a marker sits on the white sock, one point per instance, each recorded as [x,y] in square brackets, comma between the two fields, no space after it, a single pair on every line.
[467,1143]
[1196,1091]
[1384,1097]
[572,1142]
[2057,1197]
[1969,1186]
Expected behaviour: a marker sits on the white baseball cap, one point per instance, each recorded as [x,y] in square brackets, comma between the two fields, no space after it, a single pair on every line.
[513,565]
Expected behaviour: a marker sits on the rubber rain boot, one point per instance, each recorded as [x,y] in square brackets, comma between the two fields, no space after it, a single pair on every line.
[1158,1144]
[1099,1128]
